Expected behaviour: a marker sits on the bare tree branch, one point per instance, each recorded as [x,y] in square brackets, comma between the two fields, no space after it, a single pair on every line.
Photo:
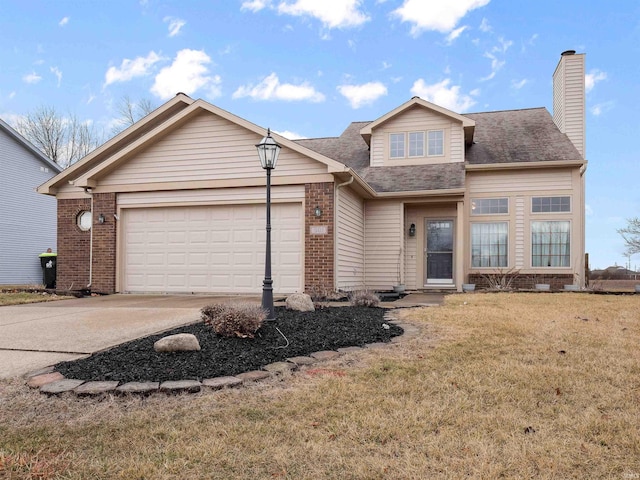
[130,112]
[631,236]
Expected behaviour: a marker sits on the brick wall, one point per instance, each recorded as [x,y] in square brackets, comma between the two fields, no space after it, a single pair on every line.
[319,248]
[73,246]
[525,281]
[104,244]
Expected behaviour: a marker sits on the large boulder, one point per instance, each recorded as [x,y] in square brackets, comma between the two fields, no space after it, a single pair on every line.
[300,302]
[182,342]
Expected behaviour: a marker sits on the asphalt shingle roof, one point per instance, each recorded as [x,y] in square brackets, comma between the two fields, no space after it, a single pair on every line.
[510,136]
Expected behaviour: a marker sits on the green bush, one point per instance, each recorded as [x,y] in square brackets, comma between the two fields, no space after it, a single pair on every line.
[364,298]
[234,319]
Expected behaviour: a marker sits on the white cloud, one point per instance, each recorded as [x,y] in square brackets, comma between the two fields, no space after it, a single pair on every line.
[332,13]
[271,89]
[361,95]
[588,211]
[129,69]
[435,14]
[31,78]
[593,77]
[601,108]
[12,95]
[56,71]
[484,26]
[385,65]
[503,47]
[175,24]
[519,84]
[443,94]
[290,135]
[188,73]
[455,34]
[496,64]
[64,21]
[255,5]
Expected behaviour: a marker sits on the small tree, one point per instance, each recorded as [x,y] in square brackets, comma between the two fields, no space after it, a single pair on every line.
[631,236]
[130,112]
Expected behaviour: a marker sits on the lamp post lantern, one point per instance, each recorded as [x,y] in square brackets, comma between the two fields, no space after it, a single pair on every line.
[268,151]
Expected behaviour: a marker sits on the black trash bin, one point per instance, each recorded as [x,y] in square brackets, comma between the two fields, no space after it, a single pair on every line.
[48,262]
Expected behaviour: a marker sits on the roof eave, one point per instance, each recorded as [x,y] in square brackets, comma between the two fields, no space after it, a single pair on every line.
[525,165]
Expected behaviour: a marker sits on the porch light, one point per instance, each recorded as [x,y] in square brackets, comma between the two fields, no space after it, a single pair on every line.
[318,212]
[412,230]
[101,218]
[268,151]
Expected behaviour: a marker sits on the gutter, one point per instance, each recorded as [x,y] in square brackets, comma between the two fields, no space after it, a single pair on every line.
[89,192]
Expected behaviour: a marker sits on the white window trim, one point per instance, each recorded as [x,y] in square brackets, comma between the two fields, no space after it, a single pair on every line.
[568,212]
[570,266]
[404,142]
[471,246]
[443,143]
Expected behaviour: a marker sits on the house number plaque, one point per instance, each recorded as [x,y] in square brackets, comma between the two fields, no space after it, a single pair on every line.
[318,230]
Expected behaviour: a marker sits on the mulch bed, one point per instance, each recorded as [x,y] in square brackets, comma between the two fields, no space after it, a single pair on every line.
[305,332]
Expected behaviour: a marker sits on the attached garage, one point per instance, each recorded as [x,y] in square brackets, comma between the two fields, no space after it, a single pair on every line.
[214,248]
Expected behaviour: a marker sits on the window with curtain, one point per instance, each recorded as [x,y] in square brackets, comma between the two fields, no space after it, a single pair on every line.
[550,244]
[489,244]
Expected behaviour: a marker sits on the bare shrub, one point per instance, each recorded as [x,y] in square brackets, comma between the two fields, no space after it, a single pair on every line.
[364,298]
[501,279]
[234,319]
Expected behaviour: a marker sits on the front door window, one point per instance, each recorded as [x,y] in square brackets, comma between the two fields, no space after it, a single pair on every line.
[439,251]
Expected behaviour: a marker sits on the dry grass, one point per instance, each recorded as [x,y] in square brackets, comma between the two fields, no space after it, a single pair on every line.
[18,298]
[614,285]
[497,385]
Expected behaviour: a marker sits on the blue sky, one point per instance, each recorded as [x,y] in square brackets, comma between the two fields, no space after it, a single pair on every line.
[307,68]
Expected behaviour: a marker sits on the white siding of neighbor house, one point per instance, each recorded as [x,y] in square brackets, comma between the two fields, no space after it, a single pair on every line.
[28,219]
[207,147]
[383,245]
[350,240]
[414,120]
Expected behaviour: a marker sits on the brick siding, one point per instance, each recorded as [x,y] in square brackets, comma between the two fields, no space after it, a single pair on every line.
[104,244]
[526,281]
[319,249]
[73,246]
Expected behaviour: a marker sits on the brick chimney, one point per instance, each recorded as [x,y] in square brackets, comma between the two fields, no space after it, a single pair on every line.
[569,98]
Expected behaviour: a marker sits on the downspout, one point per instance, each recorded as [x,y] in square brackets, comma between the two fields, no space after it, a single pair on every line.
[89,192]
[335,230]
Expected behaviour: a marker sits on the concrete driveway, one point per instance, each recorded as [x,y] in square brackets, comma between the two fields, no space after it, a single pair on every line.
[37,335]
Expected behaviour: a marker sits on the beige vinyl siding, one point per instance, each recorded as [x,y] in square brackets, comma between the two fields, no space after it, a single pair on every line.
[207,147]
[219,196]
[519,181]
[417,119]
[350,240]
[569,99]
[411,257]
[520,229]
[383,245]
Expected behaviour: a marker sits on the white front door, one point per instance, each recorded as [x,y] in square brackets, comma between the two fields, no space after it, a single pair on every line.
[439,252]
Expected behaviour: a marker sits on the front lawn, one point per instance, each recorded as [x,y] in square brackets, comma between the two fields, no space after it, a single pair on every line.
[512,385]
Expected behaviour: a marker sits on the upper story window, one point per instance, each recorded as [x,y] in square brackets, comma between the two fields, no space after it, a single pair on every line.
[396,145]
[550,204]
[415,144]
[436,143]
[489,206]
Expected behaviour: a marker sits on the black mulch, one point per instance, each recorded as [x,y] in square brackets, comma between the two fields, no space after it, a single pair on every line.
[306,332]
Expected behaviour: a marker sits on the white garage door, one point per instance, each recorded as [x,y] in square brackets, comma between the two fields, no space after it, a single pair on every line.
[217,249]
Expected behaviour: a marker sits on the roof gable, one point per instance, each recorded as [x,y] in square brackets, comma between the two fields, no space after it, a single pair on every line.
[27,145]
[467,123]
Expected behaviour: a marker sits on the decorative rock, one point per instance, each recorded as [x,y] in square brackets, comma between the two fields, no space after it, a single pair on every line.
[302,360]
[300,302]
[41,371]
[221,382]
[178,386]
[138,387]
[253,375]
[280,367]
[349,349]
[95,388]
[182,342]
[325,355]
[38,381]
[61,386]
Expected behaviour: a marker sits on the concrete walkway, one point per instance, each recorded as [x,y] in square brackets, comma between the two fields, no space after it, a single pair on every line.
[38,335]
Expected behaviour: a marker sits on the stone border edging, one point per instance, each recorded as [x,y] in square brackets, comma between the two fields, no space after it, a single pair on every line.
[50,382]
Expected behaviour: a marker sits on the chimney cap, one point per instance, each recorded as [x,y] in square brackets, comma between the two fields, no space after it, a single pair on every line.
[568,52]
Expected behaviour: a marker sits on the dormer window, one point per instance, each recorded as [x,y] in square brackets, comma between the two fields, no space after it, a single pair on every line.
[412,144]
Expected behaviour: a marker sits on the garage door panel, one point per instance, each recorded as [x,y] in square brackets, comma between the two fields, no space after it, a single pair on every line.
[211,249]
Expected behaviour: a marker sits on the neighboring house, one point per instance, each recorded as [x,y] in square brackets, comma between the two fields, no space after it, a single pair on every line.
[27,220]
[614,272]
[421,196]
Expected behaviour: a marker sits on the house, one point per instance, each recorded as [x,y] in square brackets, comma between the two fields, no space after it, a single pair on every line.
[421,196]
[27,220]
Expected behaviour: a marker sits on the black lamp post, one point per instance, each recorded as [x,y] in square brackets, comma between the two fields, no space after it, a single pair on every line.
[268,151]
